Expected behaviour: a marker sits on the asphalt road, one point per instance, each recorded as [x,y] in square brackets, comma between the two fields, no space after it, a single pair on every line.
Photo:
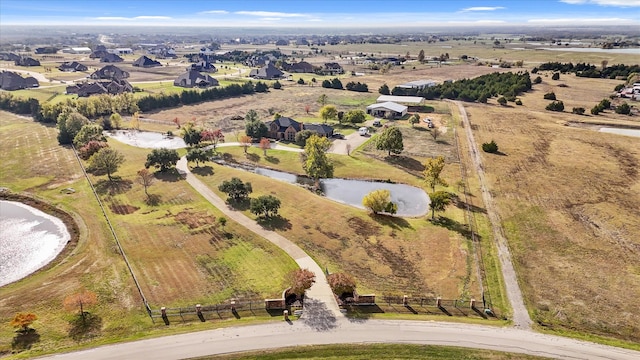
[341,330]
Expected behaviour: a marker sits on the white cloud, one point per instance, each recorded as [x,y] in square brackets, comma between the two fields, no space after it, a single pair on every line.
[152,17]
[581,21]
[483,8]
[269,14]
[112,18]
[216,12]
[620,3]
[477,22]
[122,18]
[271,19]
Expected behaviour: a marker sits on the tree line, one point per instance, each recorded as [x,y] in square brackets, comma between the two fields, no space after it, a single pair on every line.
[590,71]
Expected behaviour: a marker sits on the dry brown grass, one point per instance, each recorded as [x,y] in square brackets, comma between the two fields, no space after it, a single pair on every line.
[569,199]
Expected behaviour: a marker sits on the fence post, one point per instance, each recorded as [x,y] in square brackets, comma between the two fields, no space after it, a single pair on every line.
[404,300]
[439,302]
[473,303]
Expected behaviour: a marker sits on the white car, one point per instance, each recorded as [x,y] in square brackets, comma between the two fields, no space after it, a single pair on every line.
[363,131]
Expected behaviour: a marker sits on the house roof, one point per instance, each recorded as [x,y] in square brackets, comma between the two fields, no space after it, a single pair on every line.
[144,61]
[285,122]
[267,72]
[193,77]
[12,81]
[389,105]
[417,84]
[110,72]
[319,128]
[110,57]
[412,100]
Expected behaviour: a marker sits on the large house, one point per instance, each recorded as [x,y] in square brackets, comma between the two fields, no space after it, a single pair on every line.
[72,66]
[12,81]
[267,72]
[299,67]
[27,61]
[389,110]
[9,56]
[332,68]
[145,62]
[192,78]
[110,58]
[110,72]
[100,87]
[204,66]
[285,128]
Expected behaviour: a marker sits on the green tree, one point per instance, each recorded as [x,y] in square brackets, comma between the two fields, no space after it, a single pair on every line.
[390,140]
[89,132]
[491,147]
[116,120]
[379,201]
[322,99]
[384,89]
[303,136]
[300,280]
[355,116]
[162,158]
[421,56]
[555,76]
[277,85]
[253,127]
[550,96]
[261,87]
[265,206]
[191,135]
[316,163]
[198,155]
[105,161]
[502,101]
[336,83]
[556,105]
[439,202]
[236,189]
[414,119]
[624,109]
[578,110]
[432,170]
[328,112]
[69,124]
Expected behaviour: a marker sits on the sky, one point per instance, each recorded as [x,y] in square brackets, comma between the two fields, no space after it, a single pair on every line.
[321,14]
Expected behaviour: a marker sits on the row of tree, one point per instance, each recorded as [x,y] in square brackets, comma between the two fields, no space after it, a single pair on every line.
[591,71]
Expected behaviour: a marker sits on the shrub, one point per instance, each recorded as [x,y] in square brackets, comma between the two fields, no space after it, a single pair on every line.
[618,87]
[605,104]
[556,76]
[550,96]
[537,80]
[502,100]
[518,102]
[624,109]
[578,110]
[490,147]
[596,110]
[556,106]
[301,81]
[277,85]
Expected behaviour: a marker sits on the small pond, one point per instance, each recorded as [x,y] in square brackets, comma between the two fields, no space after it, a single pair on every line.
[147,139]
[412,201]
[29,240]
[621,131]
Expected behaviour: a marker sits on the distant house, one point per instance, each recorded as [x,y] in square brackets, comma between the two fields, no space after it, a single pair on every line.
[192,78]
[285,128]
[260,60]
[111,58]
[47,50]
[111,72]
[163,52]
[27,61]
[389,110]
[100,87]
[72,66]
[77,50]
[267,72]
[299,67]
[332,68]
[98,54]
[145,62]
[13,81]
[418,84]
[9,56]
[204,66]
[121,51]
[407,100]
[282,42]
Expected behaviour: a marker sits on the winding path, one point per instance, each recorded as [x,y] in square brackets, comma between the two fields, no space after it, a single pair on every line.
[320,304]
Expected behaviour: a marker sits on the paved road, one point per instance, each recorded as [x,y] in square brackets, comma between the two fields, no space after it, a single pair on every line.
[275,335]
[320,303]
[521,317]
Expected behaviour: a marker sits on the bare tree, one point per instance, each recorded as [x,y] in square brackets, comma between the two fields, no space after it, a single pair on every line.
[145,178]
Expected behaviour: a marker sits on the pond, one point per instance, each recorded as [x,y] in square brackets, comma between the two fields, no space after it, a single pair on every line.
[411,201]
[29,240]
[621,131]
[147,139]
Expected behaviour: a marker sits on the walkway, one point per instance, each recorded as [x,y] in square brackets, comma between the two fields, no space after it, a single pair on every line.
[320,305]
[521,317]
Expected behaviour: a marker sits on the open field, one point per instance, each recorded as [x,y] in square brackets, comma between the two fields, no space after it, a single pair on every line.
[568,198]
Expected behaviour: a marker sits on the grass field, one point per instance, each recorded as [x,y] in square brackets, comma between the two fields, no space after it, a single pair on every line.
[569,202]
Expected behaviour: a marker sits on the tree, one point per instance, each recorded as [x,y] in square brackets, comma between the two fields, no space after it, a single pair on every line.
[307,109]
[301,81]
[439,202]
[502,101]
[336,83]
[390,140]
[537,80]
[341,283]
[146,179]
[550,96]
[302,137]
[116,120]
[578,110]
[300,281]
[89,132]
[555,76]
[135,121]
[491,147]
[355,116]
[245,142]
[212,136]
[106,161]
[277,85]
[316,163]
[81,299]
[265,206]
[265,145]
[261,87]
[624,109]
[162,158]
[222,221]
[421,56]
[435,132]
[322,99]
[236,189]
[198,155]
[191,135]
[22,321]
[328,112]
[253,127]
[432,170]
[384,89]
[555,106]
[379,201]
[69,124]
[414,119]
[90,148]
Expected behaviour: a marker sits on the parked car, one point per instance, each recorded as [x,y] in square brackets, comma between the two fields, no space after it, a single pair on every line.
[338,135]
[376,122]
[363,131]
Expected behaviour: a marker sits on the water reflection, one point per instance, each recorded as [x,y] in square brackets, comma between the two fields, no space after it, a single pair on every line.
[29,239]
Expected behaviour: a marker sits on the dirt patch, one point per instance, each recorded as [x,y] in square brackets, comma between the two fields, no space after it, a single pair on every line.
[194,220]
[363,228]
[123,209]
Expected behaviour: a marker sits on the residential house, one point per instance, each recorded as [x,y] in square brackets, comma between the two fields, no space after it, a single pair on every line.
[417,84]
[267,72]
[13,81]
[100,87]
[98,54]
[285,128]
[121,51]
[299,67]
[193,78]
[72,66]
[77,50]
[163,52]
[332,68]
[406,100]
[389,110]
[282,42]
[145,62]
[261,60]
[27,61]
[111,72]
[320,129]
[204,66]
[111,58]
[9,56]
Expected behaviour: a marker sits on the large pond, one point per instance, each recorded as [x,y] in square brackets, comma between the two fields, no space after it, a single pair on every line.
[29,240]
[621,131]
[412,201]
[147,139]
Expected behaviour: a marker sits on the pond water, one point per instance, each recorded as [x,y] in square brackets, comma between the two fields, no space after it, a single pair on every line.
[621,131]
[411,201]
[29,240]
[147,139]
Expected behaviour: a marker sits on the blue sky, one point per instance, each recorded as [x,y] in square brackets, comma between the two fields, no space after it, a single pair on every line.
[327,13]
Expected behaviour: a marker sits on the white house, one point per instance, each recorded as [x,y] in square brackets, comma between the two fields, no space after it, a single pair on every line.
[387,110]
[409,100]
